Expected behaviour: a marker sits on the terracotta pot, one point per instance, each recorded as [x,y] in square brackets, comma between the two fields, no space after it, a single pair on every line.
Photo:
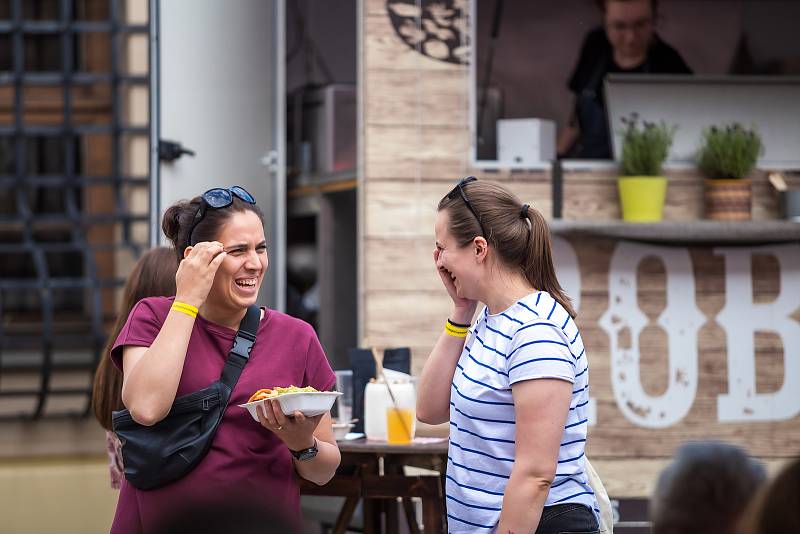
[728,200]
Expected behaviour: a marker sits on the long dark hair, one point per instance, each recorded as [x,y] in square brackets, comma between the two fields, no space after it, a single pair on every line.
[178,219]
[153,275]
[520,243]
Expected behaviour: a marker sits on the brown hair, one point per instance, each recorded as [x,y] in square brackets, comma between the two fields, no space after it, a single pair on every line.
[178,219]
[520,243]
[153,275]
[775,508]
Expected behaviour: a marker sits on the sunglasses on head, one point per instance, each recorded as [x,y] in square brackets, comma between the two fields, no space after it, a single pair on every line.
[459,189]
[217,198]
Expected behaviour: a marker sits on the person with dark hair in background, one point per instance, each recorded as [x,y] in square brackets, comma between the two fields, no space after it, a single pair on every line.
[627,43]
[776,508]
[171,347]
[153,275]
[706,489]
[513,384]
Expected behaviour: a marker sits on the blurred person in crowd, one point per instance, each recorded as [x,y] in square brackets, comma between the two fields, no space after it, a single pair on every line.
[776,508]
[705,489]
[171,347]
[513,383]
[627,43]
[152,275]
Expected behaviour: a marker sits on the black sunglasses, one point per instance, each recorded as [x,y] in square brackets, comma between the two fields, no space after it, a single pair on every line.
[459,188]
[217,198]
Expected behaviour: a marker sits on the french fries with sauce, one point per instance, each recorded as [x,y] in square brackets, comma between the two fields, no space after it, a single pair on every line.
[271,393]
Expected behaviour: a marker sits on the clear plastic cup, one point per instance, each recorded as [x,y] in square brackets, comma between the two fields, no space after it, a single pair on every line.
[344,383]
[399,425]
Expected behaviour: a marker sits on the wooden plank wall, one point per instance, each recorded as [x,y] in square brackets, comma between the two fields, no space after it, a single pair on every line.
[415,143]
[415,147]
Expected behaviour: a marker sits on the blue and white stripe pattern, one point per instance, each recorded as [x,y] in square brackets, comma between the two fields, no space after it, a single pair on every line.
[534,338]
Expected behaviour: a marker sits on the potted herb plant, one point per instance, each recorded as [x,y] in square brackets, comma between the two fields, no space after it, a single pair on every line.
[727,156]
[642,188]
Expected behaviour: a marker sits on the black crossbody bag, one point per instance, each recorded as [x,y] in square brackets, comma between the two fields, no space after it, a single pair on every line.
[156,455]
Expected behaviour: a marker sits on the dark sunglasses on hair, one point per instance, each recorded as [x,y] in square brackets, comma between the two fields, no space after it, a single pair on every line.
[459,189]
[217,198]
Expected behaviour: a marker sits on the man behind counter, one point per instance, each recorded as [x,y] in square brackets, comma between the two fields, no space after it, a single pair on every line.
[627,43]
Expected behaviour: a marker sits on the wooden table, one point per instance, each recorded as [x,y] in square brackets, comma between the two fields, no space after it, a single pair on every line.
[373,471]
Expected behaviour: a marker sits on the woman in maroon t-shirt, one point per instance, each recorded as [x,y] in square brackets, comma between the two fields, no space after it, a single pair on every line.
[171,347]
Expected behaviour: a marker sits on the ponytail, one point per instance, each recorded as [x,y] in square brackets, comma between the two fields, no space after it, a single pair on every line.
[539,269]
[517,232]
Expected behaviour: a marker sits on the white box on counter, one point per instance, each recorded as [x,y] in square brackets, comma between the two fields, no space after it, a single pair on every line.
[522,142]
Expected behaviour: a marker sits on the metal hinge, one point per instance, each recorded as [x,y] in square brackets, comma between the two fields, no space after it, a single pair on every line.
[270,160]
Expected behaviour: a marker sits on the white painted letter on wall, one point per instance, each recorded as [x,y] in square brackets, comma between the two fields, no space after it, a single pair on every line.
[681,319]
[741,318]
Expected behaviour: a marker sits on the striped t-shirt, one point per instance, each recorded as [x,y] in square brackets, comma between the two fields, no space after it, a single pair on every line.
[534,338]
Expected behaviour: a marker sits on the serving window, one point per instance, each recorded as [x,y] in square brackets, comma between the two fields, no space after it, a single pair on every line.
[527,51]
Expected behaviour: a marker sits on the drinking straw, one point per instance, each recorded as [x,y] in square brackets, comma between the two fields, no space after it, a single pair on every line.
[379,370]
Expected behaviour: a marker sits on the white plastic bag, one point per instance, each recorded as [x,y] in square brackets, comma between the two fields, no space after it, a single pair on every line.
[603,502]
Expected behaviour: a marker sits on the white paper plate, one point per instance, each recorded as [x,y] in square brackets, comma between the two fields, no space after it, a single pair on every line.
[309,403]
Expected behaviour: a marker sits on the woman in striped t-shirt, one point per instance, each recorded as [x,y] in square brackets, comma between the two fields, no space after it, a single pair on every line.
[514,384]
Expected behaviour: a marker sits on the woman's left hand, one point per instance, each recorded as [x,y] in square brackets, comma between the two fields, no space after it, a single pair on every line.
[296,431]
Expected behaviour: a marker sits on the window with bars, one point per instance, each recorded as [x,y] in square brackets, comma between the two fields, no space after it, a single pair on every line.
[73,208]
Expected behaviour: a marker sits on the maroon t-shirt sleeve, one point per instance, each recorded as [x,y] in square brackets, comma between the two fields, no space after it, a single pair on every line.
[318,371]
[143,325]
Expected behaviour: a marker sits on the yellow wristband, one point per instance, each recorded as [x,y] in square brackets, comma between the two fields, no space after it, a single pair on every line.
[458,325]
[182,307]
[456,328]
[455,332]
[185,306]
[187,312]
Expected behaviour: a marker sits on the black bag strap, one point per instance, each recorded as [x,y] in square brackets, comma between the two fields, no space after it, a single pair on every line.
[242,345]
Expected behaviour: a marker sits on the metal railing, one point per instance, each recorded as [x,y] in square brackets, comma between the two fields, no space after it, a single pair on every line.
[66,216]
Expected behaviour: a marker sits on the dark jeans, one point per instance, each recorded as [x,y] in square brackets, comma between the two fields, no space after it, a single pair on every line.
[571,518]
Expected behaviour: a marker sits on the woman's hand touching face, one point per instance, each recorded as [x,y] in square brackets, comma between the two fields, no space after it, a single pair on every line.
[196,272]
[450,262]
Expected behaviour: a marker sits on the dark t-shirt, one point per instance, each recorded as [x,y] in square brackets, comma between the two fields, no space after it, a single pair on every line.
[244,456]
[595,62]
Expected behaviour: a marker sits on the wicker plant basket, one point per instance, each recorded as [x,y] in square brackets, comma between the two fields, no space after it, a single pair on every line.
[728,200]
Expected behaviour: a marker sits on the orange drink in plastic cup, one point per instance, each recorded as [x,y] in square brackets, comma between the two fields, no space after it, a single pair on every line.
[399,422]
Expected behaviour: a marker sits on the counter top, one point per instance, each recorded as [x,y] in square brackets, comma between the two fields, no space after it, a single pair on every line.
[693,233]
